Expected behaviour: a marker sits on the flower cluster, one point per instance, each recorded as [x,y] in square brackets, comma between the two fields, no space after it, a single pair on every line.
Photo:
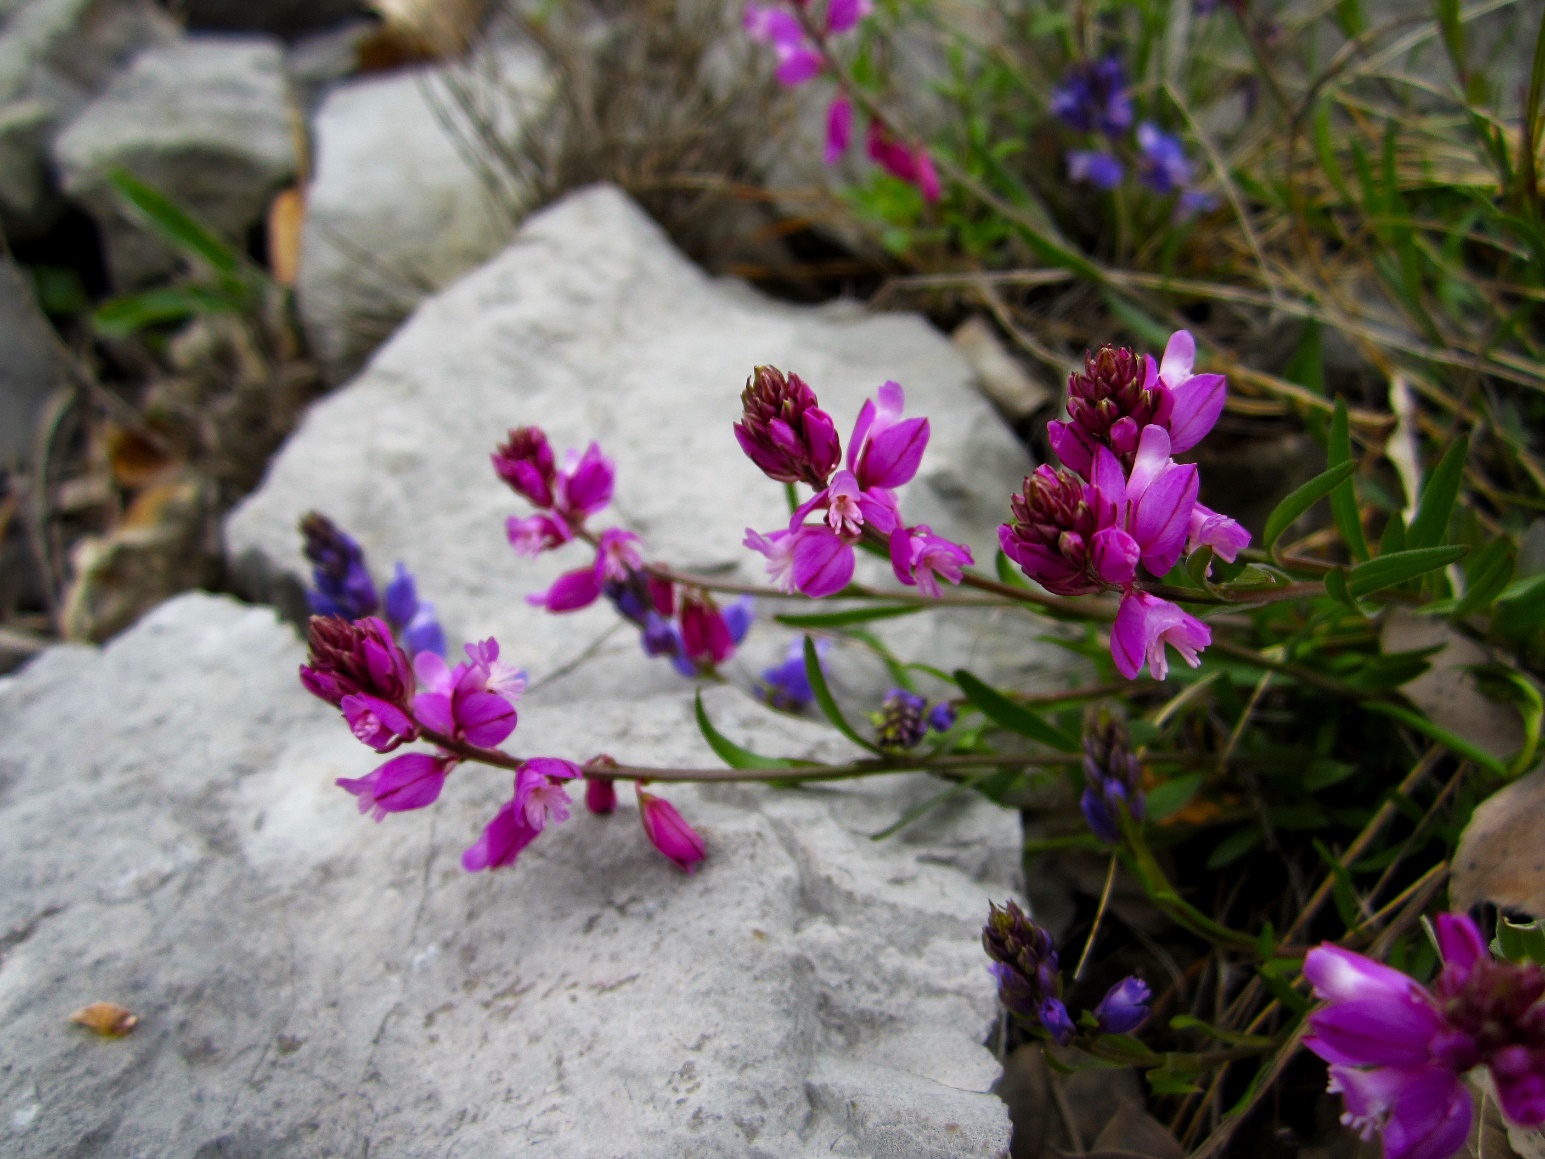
[1024,961]
[1113,776]
[1093,98]
[389,701]
[784,432]
[1121,501]
[797,41]
[905,719]
[787,685]
[1399,1050]
[341,586]
[689,627]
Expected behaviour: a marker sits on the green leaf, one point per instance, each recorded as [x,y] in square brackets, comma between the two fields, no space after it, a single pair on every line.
[176,226]
[827,702]
[928,806]
[1343,500]
[1520,943]
[1336,585]
[853,616]
[732,754]
[1500,683]
[1487,574]
[1007,572]
[1322,774]
[1454,743]
[1389,570]
[1521,606]
[1014,717]
[1176,1077]
[1430,523]
[1234,846]
[1173,796]
[1288,511]
[1232,1037]
[1271,976]
[122,317]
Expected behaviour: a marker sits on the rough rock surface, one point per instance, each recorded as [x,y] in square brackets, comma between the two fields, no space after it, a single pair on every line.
[309,984]
[28,366]
[591,325]
[55,55]
[208,122]
[397,209]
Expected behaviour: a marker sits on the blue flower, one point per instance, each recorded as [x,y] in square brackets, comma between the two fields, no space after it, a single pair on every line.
[343,586]
[1163,166]
[1102,170]
[1093,97]
[787,686]
[1124,1007]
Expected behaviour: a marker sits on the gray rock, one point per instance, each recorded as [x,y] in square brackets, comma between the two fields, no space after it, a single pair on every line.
[28,365]
[309,984]
[55,55]
[207,122]
[397,209]
[592,326]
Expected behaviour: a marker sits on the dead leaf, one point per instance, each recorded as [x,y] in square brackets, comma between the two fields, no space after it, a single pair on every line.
[138,459]
[1501,854]
[286,222]
[108,1019]
[1133,1131]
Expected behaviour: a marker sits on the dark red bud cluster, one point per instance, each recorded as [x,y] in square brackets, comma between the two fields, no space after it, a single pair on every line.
[784,431]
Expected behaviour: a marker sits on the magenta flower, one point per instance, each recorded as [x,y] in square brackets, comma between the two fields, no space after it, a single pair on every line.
[458,703]
[784,431]
[503,840]
[536,533]
[411,781]
[839,129]
[705,636]
[525,462]
[539,792]
[376,723]
[1124,1007]
[843,15]
[600,795]
[570,592]
[912,165]
[1199,398]
[495,675]
[1417,1043]
[886,450]
[1209,529]
[580,488]
[1144,625]
[585,484]
[668,832]
[798,61]
[360,657]
[919,558]
[1054,521]
[1145,515]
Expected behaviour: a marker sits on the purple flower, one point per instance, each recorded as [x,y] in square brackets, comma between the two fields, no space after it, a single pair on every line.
[1093,97]
[414,619]
[1024,961]
[361,657]
[912,165]
[1209,529]
[1150,510]
[343,584]
[787,686]
[1144,625]
[600,795]
[705,637]
[539,791]
[919,558]
[784,431]
[502,841]
[942,716]
[1199,398]
[535,534]
[1053,523]
[585,484]
[1192,202]
[471,702]
[411,781]
[1113,776]
[571,591]
[842,15]
[1417,1042]
[900,724]
[839,129]
[1162,165]
[1100,169]
[1124,1007]
[886,450]
[376,723]
[798,61]
[668,832]
[525,462]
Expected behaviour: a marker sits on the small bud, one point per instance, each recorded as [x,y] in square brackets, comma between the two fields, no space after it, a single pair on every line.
[343,584]
[705,637]
[784,431]
[942,716]
[525,462]
[669,832]
[1054,519]
[600,792]
[1113,774]
[900,724]
[1124,1007]
[351,658]
[1024,961]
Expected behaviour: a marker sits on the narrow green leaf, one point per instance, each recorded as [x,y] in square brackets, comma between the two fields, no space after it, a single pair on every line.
[128,315]
[1234,846]
[1521,606]
[1007,572]
[1288,511]
[1336,585]
[732,754]
[1389,570]
[1487,575]
[1232,1037]
[918,811]
[1343,500]
[175,225]
[1429,525]
[1173,796]
[1014,717]
[853,616]
[1454,743]
[826,701]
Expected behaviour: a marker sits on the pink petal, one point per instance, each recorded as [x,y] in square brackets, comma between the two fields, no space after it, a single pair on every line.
[1153,456]
[1460,941]
[669,832]
[1068,444]
[798,66]
[1179,358]
[1162,517]
[1110,482]
[570,591]
[485,718]
[1128,639]
[1198,403]
[892,457]
[839,129]
[823,563]
[1114,554]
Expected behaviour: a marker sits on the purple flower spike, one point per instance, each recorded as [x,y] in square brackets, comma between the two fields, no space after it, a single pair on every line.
[942,716]
[1092,97]
[1097,168]
[1024,961]
[784,431]
[1113,774]
[668,831]
[503,840]
[1144,625]
[343,584]
[920,558]
[1109,403]
[1417,1043]
[411,781]
[1124,1007]
[839,129]
[901,723]
[1163,166]
[525,462]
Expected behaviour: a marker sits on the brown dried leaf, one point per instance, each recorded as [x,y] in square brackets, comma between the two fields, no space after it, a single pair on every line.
[1501,854]
[106,1018]
[286,221]
[1447,692]
[138,460]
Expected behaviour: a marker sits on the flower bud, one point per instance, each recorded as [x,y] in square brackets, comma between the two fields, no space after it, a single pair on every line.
[1117,394]
[353,658]
[1114,776]
[525,462]
[705,637]
[343,584]
[784,431]
[1024,961]
[668,831]
[600,793]
[900,724]
[1054,520]
[1124,1007]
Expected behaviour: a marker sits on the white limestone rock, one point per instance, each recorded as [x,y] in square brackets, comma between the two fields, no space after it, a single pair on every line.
[55,55]
[310,984]
[592,326]
[208,122]
[398,209]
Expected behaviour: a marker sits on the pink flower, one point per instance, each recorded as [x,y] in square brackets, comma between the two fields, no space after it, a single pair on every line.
[919,557]
[797,60]
[378,724]
[1144,625]
[1199,398]
[668,832]
[361,656]
[784,431]
[585,484]
[411,781]
[457,703]
[913,166]
[571,591]
[1149,511]
[525,462]
[502,841]
[886,450]
[839,129]
[1399,1050]
[1209,529]
[617,555]
[842,15]
[493,674]
[1054,520]
[536,533]
[705,636]
[814,560]
[539,793]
